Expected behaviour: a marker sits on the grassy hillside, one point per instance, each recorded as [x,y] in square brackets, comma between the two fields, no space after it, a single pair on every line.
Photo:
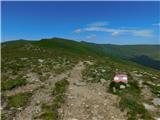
[131,50]
[58,46]
[48,47]
[135,53]
[37,76]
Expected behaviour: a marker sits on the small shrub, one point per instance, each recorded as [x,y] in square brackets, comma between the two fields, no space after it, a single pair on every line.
[12,83]
[48,116]
[154,88]
[43,78]
[60,87]
[50,112]
[131,88]
[18,100]
[134,107]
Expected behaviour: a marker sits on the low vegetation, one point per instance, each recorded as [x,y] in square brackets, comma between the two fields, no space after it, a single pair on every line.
[135,108]
[50,111]
[18,100]
[12,83]
[130,95]
[98,71]
[49,57]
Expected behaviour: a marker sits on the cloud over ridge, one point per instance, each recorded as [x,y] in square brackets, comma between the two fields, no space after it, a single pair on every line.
[101,27]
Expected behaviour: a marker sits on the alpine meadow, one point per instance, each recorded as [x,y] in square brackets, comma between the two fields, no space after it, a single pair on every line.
[80,60]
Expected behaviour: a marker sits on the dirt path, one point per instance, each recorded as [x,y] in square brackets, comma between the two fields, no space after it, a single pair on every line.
[90,101]
[42,95]
[84,101]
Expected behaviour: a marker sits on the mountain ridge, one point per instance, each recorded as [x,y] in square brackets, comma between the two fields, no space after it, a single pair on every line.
[128,52]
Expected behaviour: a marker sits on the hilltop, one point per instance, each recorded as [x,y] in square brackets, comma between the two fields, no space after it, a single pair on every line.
[136,53]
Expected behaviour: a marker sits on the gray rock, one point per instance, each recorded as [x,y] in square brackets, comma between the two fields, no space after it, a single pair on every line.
[156,101]
[100,94]
[122,87]
[40,60]
[37,102]
[140,83]
[1,108]
[128,85]
[114,90]
[151,83]
[157,118]
[94,118]
[103,70]
[154,77]
[103,81]
[80,83]
[23,58]
[149,107]
[20,108]
[158,85]
[90,78]
[73,119]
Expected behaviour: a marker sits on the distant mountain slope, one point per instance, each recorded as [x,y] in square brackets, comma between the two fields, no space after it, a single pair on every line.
[129,51]
[147,55]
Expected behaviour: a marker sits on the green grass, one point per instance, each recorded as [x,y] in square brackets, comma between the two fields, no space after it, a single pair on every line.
[50,112]
[12,83]
[18,100]
[155,89]
[134,107]
[131,100]
[60,87]
[48,116]
[99,70]
[108,58]
[131,89]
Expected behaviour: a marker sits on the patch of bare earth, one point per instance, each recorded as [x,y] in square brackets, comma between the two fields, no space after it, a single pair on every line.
[89,101]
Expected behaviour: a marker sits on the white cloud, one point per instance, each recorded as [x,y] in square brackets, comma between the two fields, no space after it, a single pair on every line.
[93,36]
[98,24]
[116,31]
[77,31]
[143,33]
[157,24]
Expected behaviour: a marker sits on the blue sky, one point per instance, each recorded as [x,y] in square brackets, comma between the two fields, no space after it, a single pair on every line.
[98,22]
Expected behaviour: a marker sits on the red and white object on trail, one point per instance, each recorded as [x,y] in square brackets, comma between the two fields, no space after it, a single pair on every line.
[120,78]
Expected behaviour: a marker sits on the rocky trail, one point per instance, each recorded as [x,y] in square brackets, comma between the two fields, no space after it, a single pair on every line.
[84,101]
[43,94]
[89,101]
